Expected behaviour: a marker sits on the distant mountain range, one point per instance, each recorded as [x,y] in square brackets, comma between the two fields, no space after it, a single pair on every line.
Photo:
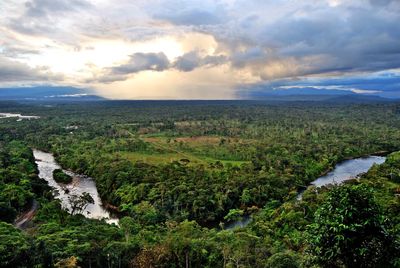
[69,94]
[344,98]
[47,93]
[310,94]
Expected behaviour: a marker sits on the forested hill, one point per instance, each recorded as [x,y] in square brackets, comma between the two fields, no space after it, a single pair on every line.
[176,174]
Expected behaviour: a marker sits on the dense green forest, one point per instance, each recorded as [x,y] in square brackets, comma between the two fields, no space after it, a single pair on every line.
[176,172]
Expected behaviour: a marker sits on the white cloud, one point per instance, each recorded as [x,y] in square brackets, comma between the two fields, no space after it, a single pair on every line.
[335,87]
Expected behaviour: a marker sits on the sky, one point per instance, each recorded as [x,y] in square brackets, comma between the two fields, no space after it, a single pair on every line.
[208,49]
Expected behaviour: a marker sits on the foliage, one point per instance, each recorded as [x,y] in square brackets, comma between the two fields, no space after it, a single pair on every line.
[70,262]
[14,246]
[18,180]
[61,177]
[174,170]
[349,230]
[80,202]
[283,260]
[234,215]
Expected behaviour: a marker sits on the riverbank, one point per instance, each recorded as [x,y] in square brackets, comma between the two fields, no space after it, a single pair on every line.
[344,171]
[325,172]
[68,193]
[25,218]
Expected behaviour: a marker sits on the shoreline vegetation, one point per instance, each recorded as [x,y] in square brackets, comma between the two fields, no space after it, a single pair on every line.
[61,177]
[115,210]
[378,153]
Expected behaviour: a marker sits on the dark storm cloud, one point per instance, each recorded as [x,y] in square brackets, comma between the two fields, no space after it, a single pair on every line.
[242,58]
[138,62]
[143,62]
[192,60]
[346,38]
[361,33]
[187,62]
[158,62]
[384,84]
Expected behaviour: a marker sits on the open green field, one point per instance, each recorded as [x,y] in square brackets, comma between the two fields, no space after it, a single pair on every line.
[197,149]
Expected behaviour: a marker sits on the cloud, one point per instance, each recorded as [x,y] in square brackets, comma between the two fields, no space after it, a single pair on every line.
[340,88]
[13,71]
[385,84]
[14,51]
[138,62]
[192,60]
[157,62]
[142,62]
[348,39]
[191,17]
[41,8]
[201,83]
[383,2]
[187,62]
[51,18]
[259,41]
[68,95]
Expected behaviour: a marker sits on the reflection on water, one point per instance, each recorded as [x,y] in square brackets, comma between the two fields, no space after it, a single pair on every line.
[347,170]
[344,171]
[80,184]
[19,116]
[238,224]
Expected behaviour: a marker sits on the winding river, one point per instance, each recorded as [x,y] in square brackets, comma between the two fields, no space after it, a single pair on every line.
[80,184]
[343,171]
[347,170]
[19,116]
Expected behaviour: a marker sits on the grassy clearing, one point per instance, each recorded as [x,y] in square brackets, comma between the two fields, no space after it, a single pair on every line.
[152,158]
[197,149]
[165,158]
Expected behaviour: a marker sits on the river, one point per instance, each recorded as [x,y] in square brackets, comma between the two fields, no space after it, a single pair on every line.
[80,184]
[19,116]
[347,170]
[342,172]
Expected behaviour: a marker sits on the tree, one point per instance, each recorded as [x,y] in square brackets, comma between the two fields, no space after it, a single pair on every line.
[129,226]
[283,260]
[79,203]
[71,262]
[234,215]
[14,247]
[145,213]
[348,230]
[61,177]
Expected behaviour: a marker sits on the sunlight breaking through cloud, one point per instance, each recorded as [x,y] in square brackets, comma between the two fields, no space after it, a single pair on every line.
[125,48]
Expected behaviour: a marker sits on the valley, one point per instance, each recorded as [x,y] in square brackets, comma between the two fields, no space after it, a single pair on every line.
[209,184]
